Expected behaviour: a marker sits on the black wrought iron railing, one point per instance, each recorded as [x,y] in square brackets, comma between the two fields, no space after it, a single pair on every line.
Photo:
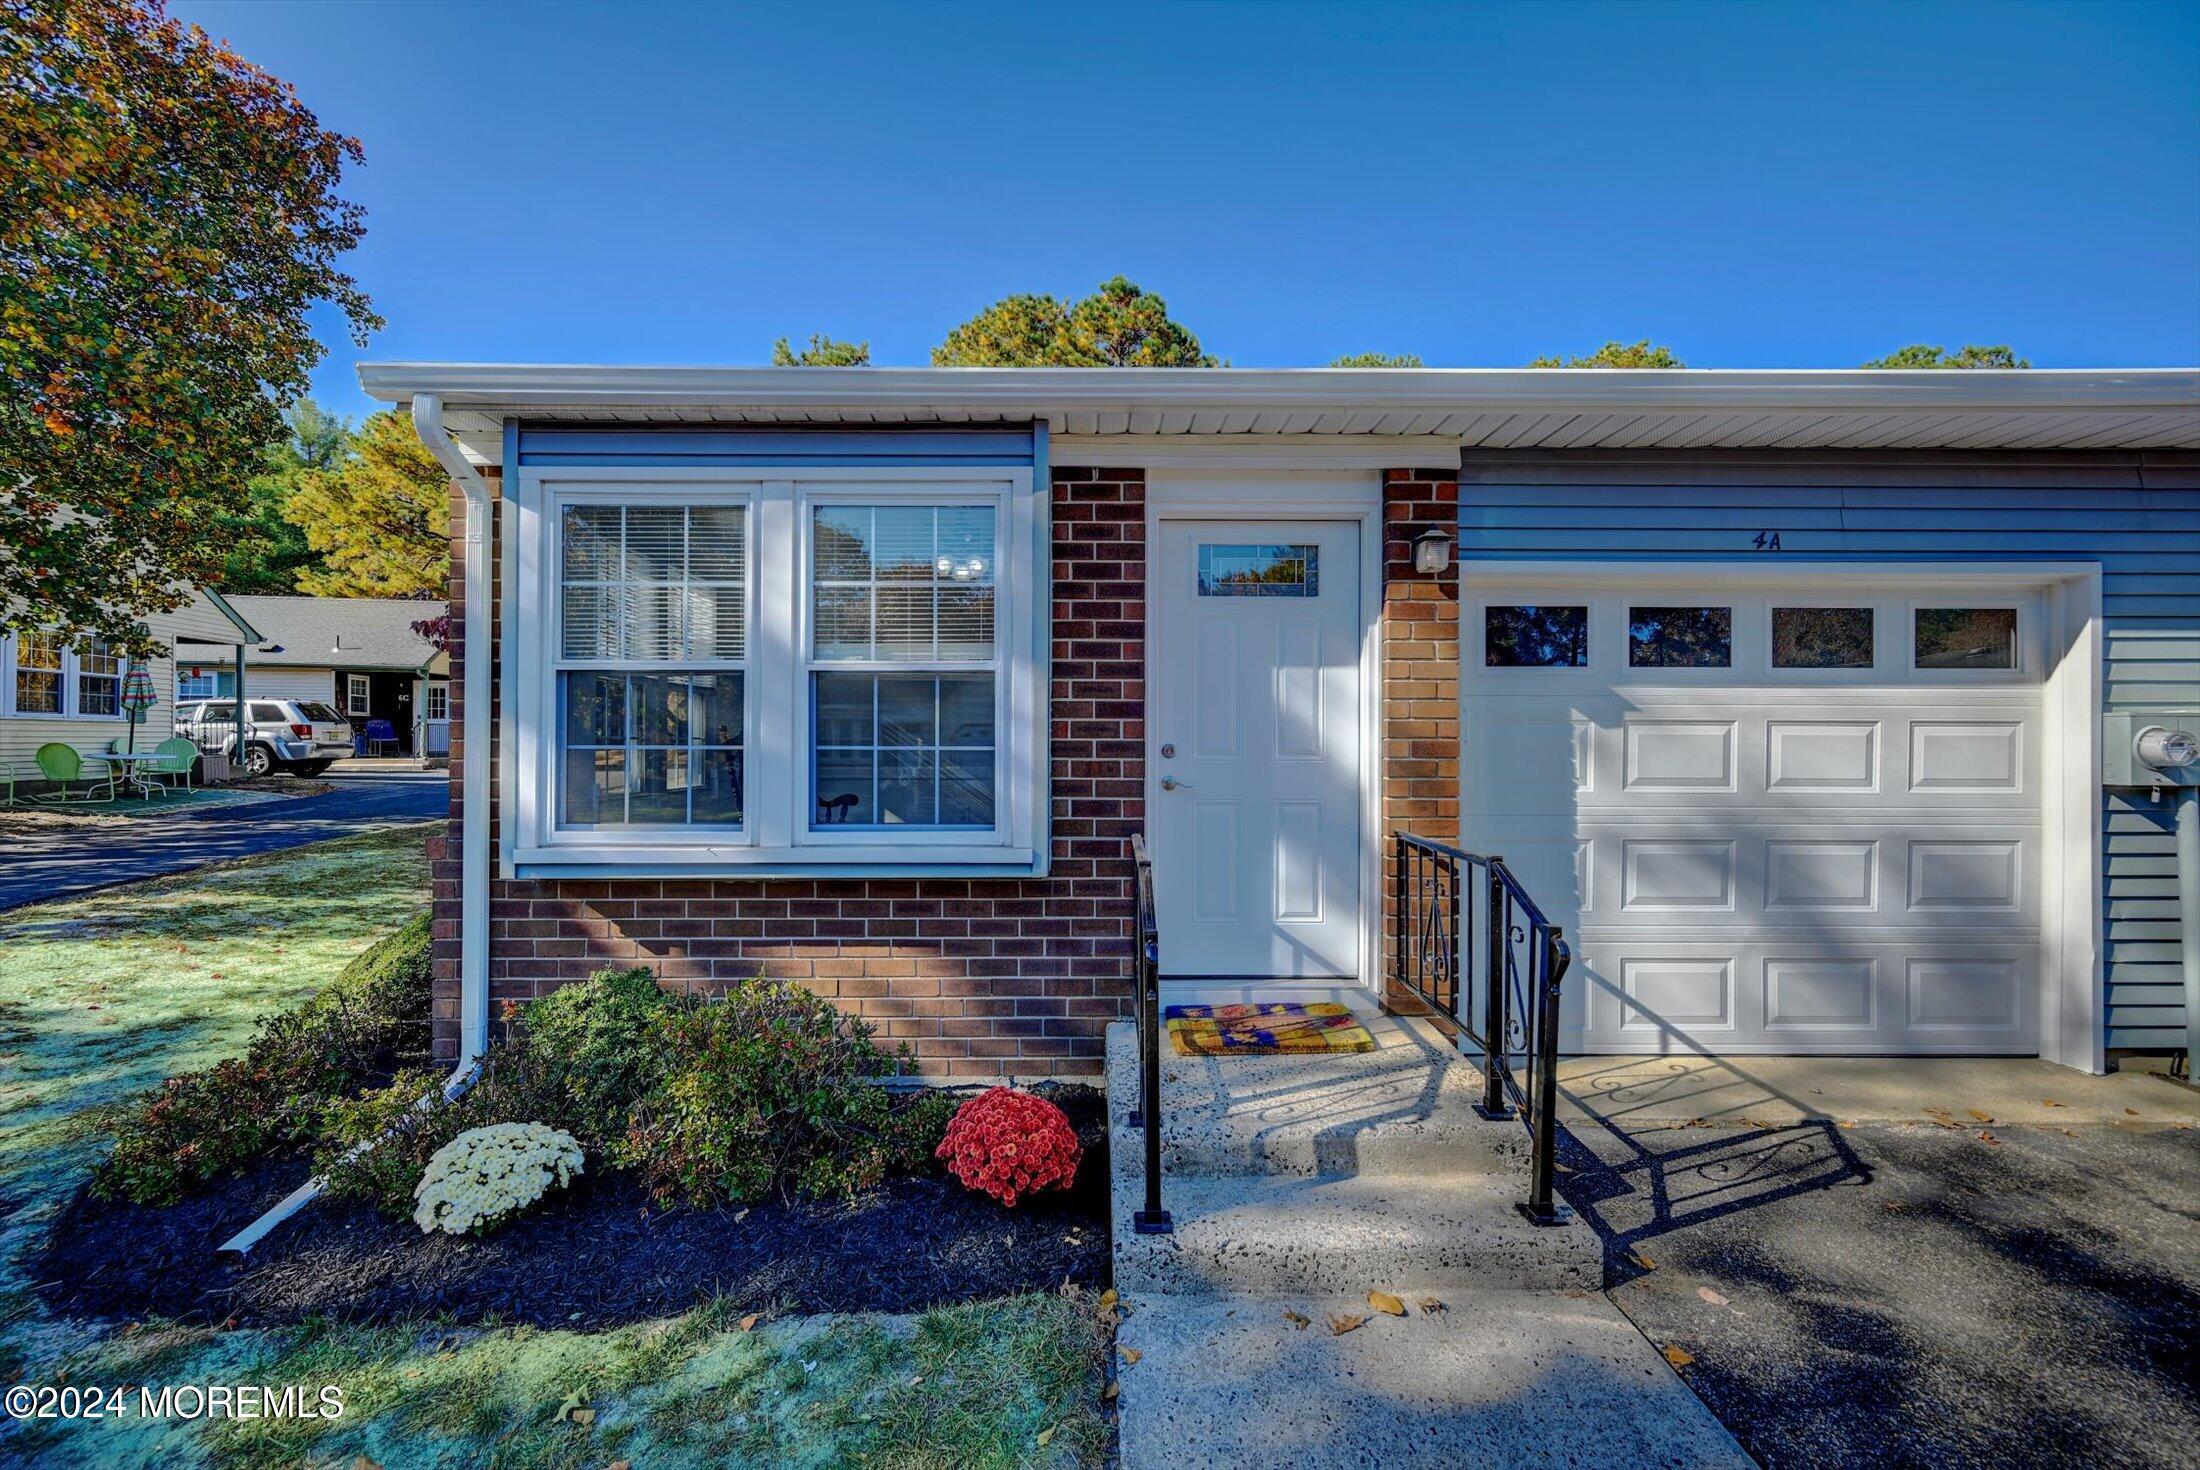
[1146,975]
[1469,943]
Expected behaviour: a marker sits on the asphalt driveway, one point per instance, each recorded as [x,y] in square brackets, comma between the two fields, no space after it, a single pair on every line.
[56,862]
[1926,1282]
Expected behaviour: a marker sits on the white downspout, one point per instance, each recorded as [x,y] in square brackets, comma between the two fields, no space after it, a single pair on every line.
[473,857]
[473,878]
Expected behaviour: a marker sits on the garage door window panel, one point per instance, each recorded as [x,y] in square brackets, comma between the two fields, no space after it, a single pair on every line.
[1535,636]
[1680,637]
[1977,638]
[1822,637]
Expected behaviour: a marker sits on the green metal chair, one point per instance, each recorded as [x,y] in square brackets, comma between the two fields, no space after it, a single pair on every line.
[61,765]
[178,758]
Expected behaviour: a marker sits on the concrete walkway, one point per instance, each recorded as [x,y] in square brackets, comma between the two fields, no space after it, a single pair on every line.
[56,862]
[1298,1184]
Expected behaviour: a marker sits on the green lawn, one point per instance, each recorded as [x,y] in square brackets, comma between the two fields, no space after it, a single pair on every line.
[106,994]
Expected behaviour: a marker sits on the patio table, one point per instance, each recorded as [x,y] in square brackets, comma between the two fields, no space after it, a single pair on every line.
[147,789]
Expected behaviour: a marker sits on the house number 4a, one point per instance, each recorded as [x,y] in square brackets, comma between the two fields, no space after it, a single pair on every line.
[1766,541]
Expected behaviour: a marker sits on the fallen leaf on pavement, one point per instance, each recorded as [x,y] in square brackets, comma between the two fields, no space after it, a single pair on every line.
[1642,1260]
[1678,1356]
[1982,1117]
[748,1323]
[1430,1306]
[1108,1299]
[1985,1137]
[1711,1296]
[1344,1322]
[2134,1112]
[1298,1320]
[363,1463]
[1046,1436]
[2048,1102]
[1108,1394]
[584,1417]
[1130,1354]
[1848,1122]
[1384,1302]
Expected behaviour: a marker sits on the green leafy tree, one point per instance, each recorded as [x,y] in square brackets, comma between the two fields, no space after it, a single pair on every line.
[1970,355]
[823,351]
[380,520]
[1379,360]
[1118,325]
[264,551]
[168,220]
[1616,354]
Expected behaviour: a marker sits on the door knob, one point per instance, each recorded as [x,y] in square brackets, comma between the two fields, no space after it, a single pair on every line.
[1170,783]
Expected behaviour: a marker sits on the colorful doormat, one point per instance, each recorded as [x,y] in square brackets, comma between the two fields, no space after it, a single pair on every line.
[1270,1029]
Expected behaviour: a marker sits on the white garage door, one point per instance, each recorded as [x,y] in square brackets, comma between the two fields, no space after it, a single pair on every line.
[1791,822]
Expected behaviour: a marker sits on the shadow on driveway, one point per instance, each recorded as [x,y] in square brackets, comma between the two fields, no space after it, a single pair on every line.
[61,861]
[1906,1294]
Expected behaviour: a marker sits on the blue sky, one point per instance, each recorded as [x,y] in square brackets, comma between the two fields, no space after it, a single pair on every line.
[1756,185]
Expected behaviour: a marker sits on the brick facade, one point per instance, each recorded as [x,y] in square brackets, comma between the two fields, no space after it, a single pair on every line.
[1420,674]
[980,977]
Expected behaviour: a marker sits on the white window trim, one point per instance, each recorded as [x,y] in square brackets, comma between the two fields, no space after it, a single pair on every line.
[777,836]
[437,688]
[358,696]
[72,692]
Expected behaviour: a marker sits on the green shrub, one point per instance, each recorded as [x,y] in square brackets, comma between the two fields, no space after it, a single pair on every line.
[603,1038]
[771,1086]
[361,1029]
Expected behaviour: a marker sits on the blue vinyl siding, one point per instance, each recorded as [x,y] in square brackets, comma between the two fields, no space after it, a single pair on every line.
[2137,514]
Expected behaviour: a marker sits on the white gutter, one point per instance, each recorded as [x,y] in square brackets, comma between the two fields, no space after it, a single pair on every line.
[473,877]
[473,880]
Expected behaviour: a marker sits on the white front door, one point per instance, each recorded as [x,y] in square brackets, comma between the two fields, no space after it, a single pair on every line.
[1254,748]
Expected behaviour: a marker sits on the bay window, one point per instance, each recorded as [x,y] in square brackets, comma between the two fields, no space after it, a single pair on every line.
[836,671]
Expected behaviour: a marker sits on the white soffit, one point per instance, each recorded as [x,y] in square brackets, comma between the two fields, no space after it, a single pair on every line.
[1437,408]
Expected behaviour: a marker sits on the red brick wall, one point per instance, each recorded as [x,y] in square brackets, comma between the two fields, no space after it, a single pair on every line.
[980,977]
[1420,671]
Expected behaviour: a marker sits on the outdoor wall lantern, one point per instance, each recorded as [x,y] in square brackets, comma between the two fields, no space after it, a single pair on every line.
[1431,552]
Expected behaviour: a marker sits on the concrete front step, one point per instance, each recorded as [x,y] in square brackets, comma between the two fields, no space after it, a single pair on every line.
[1496,1378]
[1407,1106]
[1274,1232]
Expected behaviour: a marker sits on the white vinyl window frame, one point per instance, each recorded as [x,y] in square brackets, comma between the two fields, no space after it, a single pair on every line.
[358,696]
[436,703]
[71,691]
[776,836]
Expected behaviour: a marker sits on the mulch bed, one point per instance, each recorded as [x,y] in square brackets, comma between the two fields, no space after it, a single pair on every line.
[593,1256]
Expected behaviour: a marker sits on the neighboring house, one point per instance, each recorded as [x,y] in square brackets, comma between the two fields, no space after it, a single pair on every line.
[359,654]
[52,692]
[1782,691]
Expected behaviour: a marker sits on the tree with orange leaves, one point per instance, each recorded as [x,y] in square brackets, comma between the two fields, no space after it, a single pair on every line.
[168,217]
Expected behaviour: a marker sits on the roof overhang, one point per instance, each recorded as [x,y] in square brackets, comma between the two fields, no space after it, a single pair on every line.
[1505,408]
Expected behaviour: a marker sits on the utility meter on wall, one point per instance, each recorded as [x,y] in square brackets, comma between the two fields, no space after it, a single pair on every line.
[2151,748]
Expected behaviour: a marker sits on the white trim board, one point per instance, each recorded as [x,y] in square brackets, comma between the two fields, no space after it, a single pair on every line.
[2072,1009]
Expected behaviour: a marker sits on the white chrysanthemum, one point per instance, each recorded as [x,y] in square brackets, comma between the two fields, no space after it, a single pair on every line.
[486,1174]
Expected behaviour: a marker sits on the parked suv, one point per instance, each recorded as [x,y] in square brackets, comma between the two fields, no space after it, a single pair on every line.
[302,735]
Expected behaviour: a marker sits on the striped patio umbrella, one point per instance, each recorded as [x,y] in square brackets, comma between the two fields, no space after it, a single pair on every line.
[138,696]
